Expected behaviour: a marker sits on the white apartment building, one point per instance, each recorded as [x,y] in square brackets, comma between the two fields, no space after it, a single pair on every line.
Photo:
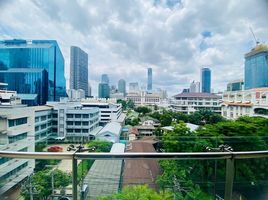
[16,134]
[73,122]
[144,98]
[190,102]
[108,108]
[253,102]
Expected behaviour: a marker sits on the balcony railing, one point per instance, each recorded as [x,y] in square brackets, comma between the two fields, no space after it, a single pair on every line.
[230,157]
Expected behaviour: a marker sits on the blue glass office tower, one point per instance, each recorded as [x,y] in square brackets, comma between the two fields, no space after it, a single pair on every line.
[256,67]
[33,68]
[104,90]
[122,86]
[105,78]
[206,80]
[150,79]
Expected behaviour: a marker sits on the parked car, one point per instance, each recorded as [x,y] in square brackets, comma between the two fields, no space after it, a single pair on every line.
[55,149]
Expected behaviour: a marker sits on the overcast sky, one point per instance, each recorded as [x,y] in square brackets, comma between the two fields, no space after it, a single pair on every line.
[124,37]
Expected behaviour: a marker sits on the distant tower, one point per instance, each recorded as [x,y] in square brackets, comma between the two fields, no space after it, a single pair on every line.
[104,90]
[150,79]
[195,87]
[122,86]
[134,87]
[79,69]
[206,80]
[104,78]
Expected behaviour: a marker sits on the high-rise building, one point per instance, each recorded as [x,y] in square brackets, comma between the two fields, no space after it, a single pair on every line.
[134,87]
[256,67]
[105,78]
[122,86]
[104,90]
[206,80]
[195,87]
[149,79]
[235,85]
[79,69]
[35,69]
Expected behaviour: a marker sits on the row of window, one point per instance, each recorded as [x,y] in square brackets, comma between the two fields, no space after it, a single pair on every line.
[43,118]
[4,160]
[14,171]
[86,116]
[17,122]
[16,138]
[78,123]
[77,130]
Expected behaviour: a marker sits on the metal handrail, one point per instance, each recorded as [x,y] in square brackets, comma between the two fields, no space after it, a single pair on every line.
[142,155]
[230,158]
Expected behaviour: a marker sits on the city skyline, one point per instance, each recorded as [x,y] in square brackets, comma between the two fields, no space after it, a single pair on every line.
[122,44]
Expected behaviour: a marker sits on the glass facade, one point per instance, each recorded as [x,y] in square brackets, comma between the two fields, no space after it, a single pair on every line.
[256,69]
[122,86]
[105,78]
[33,67]
[206,80]
[150,79]
[104,90]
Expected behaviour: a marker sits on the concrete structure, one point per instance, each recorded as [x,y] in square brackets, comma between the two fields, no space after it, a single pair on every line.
[16,134]
[190,102]
[9,98]
[79,69]
[145,130]
[144,98]
[256,67]
[110,132]
[117,95]
[104,176]
[122,87]
[76,95]
[108,108]
[43,123]
[206,80]
[72,121]
[252,102]
[236,85]
[194,87]
[149,79]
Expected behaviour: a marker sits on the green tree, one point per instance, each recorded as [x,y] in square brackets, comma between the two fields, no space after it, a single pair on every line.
[139,192]
[166,119]
[100,146]
[130,104]
[143,110]
[123,103]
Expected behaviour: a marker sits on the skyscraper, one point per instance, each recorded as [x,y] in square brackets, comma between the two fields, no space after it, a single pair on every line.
[35,69]
[122,86]
[256,67]
[104,90]
[195,87]
[149,79]
[79,69]
[104,78]
[206,80]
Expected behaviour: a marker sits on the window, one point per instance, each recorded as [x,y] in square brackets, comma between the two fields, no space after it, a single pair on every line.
[85,130]
[43,126]
[77,116]
[37,128]
[70,130]
[69,123]
[85,123]
[54,123]
[36,119]
[15,138]
[85,116]
[49,116]
[70,115]
[77,123]
[77,130]
[55,115]
[43,118]
[16,122]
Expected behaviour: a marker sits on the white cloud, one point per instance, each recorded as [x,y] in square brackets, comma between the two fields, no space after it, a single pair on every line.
[124,37]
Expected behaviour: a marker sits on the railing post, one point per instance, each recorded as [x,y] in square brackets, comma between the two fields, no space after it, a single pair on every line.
[229,181]
[74,171]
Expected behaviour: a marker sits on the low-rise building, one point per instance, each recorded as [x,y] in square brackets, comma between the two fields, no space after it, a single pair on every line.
[110,132]
[109,109]
[145,130]
[72,121]
[190,102]
[16,134]
[253,102]
[145,98]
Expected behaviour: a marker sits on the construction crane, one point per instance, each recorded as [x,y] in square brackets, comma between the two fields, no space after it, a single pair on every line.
[257,42]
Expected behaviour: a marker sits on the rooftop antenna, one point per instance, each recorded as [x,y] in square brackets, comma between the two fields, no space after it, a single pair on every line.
[257,42]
